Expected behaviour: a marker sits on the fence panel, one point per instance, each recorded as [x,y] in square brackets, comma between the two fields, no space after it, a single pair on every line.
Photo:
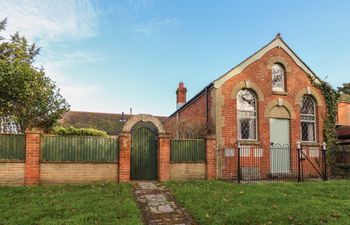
[12,147]
[79,149]
[342,161]
[253,163]
[187,150]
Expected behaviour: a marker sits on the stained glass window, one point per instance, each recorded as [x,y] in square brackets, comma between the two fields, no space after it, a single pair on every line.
[308,119]
[277,78]
[246,114]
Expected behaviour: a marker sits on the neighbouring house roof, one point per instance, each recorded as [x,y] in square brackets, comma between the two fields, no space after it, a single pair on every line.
[276,42]
[344,98]
[343,132]
[111,123]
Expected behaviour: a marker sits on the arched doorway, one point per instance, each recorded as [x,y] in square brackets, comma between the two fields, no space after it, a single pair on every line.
[139,149]
[143,152]
[279,140]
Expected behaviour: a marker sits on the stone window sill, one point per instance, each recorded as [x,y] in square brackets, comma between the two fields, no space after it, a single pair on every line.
[280,93]
[249,142]
[310,144]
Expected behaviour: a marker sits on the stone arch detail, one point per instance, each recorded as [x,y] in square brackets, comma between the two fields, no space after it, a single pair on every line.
[248,85]
[280,60]
[280,102]
[308,91]
[143,118]
[280,112]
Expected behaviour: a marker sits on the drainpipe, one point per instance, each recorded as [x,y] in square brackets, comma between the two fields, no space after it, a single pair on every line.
[207,107]
[177,125]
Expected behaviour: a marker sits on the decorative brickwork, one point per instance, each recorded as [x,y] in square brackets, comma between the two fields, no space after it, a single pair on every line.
[32,168]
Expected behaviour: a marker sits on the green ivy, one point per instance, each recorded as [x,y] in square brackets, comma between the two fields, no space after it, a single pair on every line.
[73,131]
[331,97]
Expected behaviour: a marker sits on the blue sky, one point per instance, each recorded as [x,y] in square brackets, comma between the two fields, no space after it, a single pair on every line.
[108,56]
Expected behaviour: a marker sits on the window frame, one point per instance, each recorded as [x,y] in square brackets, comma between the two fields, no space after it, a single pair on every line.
[283,89]
[239,135]
[314,121]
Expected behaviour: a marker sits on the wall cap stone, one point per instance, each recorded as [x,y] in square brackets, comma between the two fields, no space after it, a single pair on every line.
[35,130]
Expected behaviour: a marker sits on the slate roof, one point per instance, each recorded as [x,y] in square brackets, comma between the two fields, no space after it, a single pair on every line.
[111,123]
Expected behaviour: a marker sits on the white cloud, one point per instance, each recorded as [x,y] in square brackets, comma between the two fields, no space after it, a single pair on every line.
[51,20]
[69,89]
[66,59]
[50,23]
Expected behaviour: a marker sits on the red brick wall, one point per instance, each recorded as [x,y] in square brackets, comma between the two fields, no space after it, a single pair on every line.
[344,113]
[193,114]
[163,157]
[124,157]
[258,73]
[32,167]
[211,159]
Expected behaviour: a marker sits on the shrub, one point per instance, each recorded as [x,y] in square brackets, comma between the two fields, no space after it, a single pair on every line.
[73,131]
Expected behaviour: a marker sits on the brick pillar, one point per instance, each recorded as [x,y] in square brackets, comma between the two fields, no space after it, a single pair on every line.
[163,157]
[211,160]
[124,156]
[32,167]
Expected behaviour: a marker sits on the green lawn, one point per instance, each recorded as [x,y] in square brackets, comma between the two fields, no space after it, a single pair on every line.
[307,203]
[69,204]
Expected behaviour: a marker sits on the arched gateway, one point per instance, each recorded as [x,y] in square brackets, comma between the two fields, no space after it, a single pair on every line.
[143,131]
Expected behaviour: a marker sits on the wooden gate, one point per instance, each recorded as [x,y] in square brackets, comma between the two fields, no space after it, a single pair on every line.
[144,147]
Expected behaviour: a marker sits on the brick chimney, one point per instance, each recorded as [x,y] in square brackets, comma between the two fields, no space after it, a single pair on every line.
[180,95]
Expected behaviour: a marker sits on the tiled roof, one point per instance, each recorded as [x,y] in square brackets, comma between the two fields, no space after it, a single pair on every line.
[343,132]
[344,98]
[109,122]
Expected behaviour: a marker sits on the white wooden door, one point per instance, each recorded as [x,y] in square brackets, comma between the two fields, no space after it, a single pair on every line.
[279,146]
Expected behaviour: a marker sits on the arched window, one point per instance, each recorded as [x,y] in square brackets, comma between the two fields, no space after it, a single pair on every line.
[308,119]
[277,78]
[246,114]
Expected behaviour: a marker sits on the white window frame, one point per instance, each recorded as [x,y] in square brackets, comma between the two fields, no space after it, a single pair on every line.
[314,121]
[247,117]
[283,88]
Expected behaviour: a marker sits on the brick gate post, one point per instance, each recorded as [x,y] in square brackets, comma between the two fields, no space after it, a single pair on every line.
[163,156]
[124,156]
[32,164]
[210,155]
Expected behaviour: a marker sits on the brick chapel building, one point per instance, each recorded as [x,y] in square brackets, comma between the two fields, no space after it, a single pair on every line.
[267,100]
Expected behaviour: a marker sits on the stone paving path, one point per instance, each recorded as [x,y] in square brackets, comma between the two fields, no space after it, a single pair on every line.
[158,205]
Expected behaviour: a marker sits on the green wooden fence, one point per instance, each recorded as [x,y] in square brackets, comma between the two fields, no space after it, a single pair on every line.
[187,150]
[12,147]
[79,149]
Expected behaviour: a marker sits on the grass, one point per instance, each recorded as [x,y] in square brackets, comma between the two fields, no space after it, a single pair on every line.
[105,204]
[309,203]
